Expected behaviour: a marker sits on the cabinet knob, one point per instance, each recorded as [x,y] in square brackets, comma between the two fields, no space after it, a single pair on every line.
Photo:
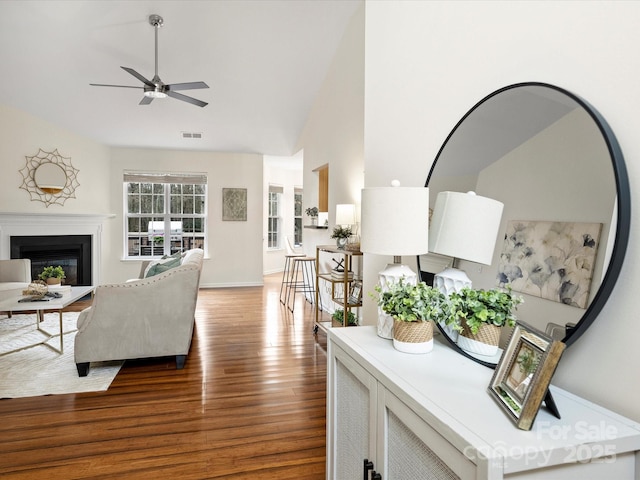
[375,476]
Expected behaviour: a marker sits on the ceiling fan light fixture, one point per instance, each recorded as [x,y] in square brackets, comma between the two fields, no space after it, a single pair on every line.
[155,94]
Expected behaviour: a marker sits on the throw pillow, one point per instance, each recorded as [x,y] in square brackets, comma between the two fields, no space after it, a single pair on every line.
[162,265]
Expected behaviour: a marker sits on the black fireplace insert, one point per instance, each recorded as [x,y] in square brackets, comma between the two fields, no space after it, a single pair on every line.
[71,252]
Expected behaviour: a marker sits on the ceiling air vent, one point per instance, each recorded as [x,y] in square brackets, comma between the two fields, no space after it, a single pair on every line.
[191,135]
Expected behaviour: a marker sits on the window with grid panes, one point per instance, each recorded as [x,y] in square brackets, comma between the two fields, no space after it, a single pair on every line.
[273,218]
[297,217]
[164,213]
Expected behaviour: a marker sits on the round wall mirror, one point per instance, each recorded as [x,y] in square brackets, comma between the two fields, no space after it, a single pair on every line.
[50,178]
[548,156]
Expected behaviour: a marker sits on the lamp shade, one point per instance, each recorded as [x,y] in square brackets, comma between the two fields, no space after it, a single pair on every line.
[395,220]
[465,226]
[345,214]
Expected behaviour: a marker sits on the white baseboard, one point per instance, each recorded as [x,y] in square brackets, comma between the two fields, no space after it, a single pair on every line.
[270,272]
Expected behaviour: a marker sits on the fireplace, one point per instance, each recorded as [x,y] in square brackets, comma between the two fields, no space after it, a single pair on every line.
[13,225]
[71,252]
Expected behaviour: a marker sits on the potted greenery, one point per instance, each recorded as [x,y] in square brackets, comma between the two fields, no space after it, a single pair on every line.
[337,319]
[52,275]
[341,234]
[414,308]
[313,213]
[479,316]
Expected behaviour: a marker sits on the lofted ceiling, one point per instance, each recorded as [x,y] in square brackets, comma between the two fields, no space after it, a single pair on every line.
[264,61]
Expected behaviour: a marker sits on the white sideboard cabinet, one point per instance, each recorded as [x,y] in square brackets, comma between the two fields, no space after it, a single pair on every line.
[414,417]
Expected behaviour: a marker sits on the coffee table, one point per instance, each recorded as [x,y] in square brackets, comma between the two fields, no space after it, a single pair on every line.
[13,305]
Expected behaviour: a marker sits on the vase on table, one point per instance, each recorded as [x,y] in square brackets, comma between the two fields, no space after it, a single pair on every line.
[413,337]
[485,342]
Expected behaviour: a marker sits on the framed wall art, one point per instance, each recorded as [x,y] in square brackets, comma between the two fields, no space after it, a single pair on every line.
[234,204]
[521,380]
[551,260]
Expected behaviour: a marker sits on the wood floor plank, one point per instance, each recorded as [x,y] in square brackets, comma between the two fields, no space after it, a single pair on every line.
[250,403]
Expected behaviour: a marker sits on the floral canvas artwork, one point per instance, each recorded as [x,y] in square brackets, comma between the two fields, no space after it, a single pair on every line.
[551,260]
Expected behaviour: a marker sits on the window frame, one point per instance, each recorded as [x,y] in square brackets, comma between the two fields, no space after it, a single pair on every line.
[194,239]
[297,216]
[277,193]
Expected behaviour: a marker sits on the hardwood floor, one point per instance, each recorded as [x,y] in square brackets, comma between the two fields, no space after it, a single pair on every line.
[250,403]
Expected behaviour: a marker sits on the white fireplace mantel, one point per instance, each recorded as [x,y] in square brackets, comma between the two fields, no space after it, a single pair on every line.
[36,224]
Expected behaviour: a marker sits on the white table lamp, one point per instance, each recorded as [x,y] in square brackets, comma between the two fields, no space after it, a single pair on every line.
[395,221]
[345,214]
[464,226]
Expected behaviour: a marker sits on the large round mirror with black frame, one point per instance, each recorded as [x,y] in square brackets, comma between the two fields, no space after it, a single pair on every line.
[550,158]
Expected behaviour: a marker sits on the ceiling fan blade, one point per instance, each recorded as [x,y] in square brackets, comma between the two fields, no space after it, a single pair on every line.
[184,98]
[119,86]
[146,100]
[138,76]
[187,86]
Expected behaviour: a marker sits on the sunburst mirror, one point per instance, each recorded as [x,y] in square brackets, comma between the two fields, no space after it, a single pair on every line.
[49,178]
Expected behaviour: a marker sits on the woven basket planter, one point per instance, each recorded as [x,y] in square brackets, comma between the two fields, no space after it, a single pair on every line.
[485,342]
[413,337]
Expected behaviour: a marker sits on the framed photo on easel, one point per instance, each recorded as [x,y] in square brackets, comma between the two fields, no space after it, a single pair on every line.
[521,380]
[355,295]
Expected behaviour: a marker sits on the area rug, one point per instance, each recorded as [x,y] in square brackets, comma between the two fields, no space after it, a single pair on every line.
[33,369]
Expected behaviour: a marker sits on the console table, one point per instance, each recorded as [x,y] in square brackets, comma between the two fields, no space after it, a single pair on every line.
[340,298]
[429,416]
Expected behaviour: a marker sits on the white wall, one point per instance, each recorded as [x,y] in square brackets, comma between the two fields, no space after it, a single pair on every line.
[334,135]
[21,135]
[334,132]
[234,254]
[427,63]
[285,172]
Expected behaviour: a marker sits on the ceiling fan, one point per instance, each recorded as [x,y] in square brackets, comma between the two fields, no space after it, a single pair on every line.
[155,88]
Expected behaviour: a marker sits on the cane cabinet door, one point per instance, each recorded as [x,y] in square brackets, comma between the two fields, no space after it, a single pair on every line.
[351,415]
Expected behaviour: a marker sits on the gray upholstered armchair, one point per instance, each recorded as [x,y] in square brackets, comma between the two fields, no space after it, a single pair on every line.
[149,317]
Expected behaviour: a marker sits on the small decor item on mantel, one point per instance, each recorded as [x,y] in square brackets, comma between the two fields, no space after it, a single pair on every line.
[341,234]
[313,213]
[521,380]
[52,275]
[414,308]
[479,315]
